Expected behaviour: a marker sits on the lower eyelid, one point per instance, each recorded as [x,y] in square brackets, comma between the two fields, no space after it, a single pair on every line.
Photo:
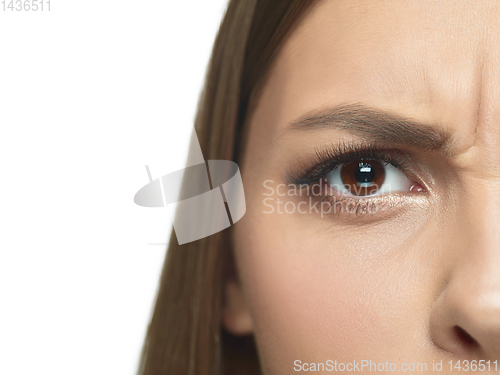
[375,207]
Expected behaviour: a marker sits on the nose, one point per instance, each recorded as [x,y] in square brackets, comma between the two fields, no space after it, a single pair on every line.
[465,317]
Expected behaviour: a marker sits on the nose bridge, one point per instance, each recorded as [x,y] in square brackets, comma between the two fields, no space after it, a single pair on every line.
[475,284]
[466,316]
[480,265]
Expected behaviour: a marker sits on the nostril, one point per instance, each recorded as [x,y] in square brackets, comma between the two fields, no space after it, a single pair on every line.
[464,338]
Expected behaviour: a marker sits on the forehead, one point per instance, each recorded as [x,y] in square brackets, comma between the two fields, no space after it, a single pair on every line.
[434,61]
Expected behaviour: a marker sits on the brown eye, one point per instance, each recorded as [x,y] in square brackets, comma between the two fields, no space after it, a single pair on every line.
[362,177]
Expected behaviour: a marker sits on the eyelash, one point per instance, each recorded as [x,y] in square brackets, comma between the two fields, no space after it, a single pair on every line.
[333,156]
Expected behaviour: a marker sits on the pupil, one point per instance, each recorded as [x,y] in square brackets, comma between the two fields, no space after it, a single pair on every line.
[363,177]
[364,173]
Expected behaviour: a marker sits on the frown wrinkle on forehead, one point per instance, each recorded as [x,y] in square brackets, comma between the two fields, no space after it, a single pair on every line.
[436,63]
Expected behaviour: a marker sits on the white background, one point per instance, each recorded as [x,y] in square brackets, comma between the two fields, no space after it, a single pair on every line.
[90,93]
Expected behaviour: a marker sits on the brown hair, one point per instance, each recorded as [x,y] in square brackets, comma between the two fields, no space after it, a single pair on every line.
[185,334]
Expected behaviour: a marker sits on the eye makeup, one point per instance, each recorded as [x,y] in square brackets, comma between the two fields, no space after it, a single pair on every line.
[344,153]
[361,167]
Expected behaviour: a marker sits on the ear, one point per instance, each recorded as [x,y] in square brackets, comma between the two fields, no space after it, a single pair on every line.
[236,318]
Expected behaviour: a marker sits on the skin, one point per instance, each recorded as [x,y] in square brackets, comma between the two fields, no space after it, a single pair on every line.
[392,286]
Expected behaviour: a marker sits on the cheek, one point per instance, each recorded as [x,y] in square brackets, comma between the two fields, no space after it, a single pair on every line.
[318,291]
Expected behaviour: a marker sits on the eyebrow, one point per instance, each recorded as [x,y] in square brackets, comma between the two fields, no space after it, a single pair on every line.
[376,125]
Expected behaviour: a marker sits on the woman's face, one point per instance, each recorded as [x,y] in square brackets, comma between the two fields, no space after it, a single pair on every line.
[391,109]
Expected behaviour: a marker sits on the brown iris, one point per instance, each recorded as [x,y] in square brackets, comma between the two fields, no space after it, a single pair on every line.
[363,176]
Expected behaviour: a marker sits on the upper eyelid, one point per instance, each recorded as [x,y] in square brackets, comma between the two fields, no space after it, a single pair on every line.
[328,159]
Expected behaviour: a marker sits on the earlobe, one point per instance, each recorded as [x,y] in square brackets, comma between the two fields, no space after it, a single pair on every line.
[236,317]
